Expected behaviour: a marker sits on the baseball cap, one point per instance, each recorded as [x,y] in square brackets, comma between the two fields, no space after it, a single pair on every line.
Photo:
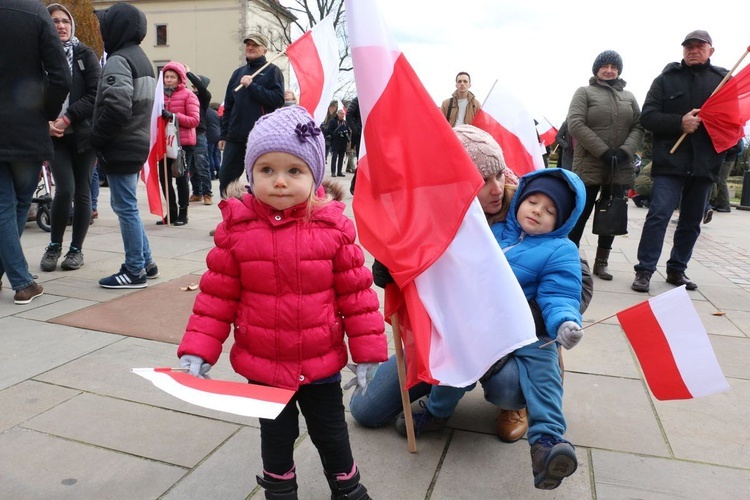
[701,35]
[257,37]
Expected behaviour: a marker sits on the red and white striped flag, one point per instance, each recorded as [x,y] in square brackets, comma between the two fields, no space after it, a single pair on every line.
[150,172]
[512,126]
[547,132]
[249,400]
[672,347]
[315,59]
[458,304]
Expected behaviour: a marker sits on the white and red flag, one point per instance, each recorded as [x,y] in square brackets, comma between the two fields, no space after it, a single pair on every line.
[249,400]
[459,306]
[512,126]
[157,149]
[672,347]
[726,113]
[315,59]
[547,132]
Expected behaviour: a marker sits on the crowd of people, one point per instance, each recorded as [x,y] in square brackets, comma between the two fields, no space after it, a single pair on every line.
[286,275]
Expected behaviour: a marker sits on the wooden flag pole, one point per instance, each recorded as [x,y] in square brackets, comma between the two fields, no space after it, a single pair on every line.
[282,53]
[164,187]
[726,78]
[411,442]
[582,329]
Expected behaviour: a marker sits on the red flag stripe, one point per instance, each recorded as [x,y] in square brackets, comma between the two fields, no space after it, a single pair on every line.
[516,155]
[308,69]
[654,353]
[228,388]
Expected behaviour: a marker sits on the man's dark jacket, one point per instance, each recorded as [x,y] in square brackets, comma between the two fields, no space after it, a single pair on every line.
[243,108]
[34,80]
[679,89]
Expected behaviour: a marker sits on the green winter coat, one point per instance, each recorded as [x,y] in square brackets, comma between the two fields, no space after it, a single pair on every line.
[601,117]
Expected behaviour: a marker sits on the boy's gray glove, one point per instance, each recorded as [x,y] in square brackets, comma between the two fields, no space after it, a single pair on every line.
[195,365]
[364,373]
[569,334]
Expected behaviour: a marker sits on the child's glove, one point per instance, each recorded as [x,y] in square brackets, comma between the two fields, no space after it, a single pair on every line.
[364,373]
[380,274]
[569,334]
[166,114]
[195,365]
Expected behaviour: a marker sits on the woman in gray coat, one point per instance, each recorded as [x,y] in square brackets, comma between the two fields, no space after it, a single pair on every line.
[604,119]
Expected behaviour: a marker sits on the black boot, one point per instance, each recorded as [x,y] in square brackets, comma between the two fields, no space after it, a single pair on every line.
[182,217]
[347,489]
[600,264]
[172,218]
[278,489]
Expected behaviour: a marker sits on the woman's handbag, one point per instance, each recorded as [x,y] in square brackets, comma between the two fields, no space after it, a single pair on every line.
[174,149]
[611,214]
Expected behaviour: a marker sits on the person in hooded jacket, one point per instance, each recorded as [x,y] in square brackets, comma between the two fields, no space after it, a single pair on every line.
[73,166]
[604,119]
[182,103]
[121,134]
[35,80]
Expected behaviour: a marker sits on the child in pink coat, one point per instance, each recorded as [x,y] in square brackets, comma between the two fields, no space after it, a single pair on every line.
[287,275]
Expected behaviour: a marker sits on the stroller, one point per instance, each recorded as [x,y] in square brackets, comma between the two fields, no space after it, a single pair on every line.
[43,199]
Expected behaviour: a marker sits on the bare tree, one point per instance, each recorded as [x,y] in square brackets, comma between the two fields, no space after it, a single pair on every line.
[307,14]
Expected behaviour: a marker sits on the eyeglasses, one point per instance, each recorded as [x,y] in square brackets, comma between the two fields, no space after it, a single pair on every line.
[61,21]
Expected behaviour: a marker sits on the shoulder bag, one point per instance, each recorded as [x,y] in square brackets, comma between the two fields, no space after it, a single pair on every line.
[611,214]
[174,149]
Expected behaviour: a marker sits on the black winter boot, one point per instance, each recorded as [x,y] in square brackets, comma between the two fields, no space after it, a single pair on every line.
[172,218]
[347,489]
[182,217]
[278,489]
[600,264]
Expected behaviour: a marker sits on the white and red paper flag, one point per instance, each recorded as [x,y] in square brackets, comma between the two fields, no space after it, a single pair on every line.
[315,59]
[547,132]
[672,347]
[512,126]
[726,113]
[249,400]
[158,147]
[459,306]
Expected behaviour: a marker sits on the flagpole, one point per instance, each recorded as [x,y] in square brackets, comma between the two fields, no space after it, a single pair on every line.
[411,442]
[282,53]
[490,92]
[164,187]
[684,134]
[582,329]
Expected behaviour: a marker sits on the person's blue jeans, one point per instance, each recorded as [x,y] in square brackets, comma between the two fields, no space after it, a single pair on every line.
[381,402]
[691,193]
[95,188]
[122,192]
[200,178]
[18,181]
[214,160]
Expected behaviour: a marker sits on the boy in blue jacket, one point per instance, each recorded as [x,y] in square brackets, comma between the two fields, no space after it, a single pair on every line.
[534,238]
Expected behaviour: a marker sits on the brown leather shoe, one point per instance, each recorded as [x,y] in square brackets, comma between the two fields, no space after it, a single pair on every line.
[208,200]
[195,197]
[511,424]
[26,295]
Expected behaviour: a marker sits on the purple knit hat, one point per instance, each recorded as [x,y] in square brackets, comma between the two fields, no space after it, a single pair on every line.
[287,130]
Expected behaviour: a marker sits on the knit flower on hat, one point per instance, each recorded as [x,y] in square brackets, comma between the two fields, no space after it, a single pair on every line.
[304,131]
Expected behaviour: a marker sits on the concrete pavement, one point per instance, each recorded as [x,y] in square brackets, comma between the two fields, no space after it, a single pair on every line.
[75,423]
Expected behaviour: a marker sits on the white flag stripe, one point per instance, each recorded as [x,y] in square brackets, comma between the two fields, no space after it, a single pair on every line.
[470,328]
[689,342]
[231,404]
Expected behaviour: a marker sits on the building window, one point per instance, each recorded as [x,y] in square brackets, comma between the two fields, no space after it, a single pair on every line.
[161,35]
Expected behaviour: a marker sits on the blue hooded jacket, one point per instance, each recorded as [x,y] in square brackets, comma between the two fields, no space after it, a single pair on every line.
[547,266]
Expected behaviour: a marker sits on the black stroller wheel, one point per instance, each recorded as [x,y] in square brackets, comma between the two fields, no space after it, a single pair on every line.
[43,218]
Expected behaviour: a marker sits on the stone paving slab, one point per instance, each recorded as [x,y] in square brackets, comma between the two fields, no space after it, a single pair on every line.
[625,476]
[38,466]
[58,308]
[33,347]
[28,399]
[134,428]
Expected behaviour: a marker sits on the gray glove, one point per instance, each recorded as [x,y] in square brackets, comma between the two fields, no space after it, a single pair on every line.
[195,365]
[569,334]
[363,374]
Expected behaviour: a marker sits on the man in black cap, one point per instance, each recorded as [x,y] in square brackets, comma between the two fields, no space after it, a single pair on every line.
[259,95]
[685,177]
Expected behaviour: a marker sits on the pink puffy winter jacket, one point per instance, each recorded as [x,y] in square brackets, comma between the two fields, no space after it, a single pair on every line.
[184,104]
[291,287]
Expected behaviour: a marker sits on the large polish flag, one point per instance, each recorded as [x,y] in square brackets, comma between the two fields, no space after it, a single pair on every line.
[672,347]
[512,126]
[157,149]
[249,400]
[315,59]
[726,113]
[458,305]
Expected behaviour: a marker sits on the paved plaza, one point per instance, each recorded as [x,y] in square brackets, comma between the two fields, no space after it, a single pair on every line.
[75,423]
